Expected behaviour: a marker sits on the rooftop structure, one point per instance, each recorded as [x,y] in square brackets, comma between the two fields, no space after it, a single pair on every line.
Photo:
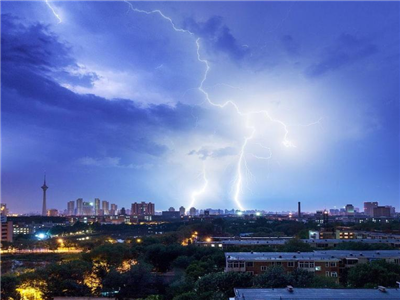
[303,294]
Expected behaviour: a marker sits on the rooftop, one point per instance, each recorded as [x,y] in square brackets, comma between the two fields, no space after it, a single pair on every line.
[315,255]
[300,294]
[252,242]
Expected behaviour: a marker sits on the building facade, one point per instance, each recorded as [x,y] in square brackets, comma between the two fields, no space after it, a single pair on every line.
[79,207]
[105,207]
[114,209]
[71,208]
[96,206]
[369,208]
[329,263]
[182,211]
[382,211]
[142,209]
[7,231]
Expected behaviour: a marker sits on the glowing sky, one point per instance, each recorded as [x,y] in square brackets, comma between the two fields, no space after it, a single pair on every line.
[107,102]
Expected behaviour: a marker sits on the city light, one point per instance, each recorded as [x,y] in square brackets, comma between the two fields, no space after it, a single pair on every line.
[41,236]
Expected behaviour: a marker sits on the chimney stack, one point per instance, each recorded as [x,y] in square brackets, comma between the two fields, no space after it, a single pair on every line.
[299,210]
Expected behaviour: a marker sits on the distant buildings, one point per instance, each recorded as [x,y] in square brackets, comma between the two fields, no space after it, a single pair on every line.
[97,207]
[87,208]
[171,215]
[349,209]
[71,208]
[113,210]
[7,231]
[6,226]
[182,211]
[142,209]
[382,211]
[369,208]
[79,207]
[192,212]
[105,207]
[52,212]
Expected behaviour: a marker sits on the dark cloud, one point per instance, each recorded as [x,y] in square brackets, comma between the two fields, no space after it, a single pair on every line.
[291,46]
[204,152]
[32,46]
[218,36]
[79,125]
[346,50]
[35,47]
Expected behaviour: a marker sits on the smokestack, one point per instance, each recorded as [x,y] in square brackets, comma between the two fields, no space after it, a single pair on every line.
[299,210]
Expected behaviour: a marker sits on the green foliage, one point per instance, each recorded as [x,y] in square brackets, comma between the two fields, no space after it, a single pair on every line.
[110,254]
[9,284]
[295,245]
[363,246]
[65,279]
[324,282]
[223,283]
[374,274]
[274,277]
[138,281]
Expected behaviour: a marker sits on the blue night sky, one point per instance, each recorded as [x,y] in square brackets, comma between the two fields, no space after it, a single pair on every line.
[110,103]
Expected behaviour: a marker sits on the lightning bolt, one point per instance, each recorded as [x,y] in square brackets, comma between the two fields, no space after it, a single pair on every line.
[54,12]
[197,193]
[241,163]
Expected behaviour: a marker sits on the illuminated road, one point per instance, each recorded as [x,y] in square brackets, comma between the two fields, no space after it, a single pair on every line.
[39,251]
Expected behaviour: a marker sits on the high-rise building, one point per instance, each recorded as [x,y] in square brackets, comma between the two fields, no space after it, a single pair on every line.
[87,208]
[52,212]
[44,206]
[392,210]
[6,231]
[96,206]
[171,209]
[105,207]
[192,211]
[369,208]
[182,211]
[79,207]
[4,210]
[142,209]
[113,210]
[381,212]
[349,209]
[123,211]
[71,208]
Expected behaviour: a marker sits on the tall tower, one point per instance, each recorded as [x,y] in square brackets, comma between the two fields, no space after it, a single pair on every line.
[44,188]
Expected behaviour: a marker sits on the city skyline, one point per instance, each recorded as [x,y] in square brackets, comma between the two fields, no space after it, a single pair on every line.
[215,104]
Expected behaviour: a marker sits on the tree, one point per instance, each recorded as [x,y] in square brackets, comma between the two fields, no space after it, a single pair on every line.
[295,245]
[223,283]
[374,274]
[274,277]
[9,285]
[138,281]
[112,255]
[65,279]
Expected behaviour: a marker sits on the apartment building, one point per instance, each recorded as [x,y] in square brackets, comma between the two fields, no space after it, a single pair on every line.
[329,263]
[258,262]
[290,293]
